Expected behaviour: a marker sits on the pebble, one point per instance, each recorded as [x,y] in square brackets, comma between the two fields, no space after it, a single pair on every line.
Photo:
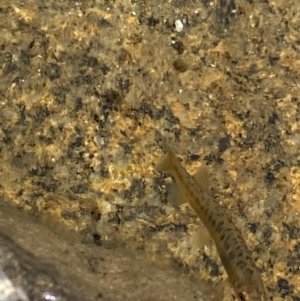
[178,25]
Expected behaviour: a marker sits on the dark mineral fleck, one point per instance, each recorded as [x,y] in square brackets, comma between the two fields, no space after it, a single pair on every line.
[105,69]
[273,118]
[103,23]
[126,147]
[91,61]
[123,83]
[252,227]
[25,58]
[178,46]
[78,104]
[41,113]
[97,239]
[284,287]
[292,231]
[81,188]
[152,21]
[194,157]
[59,95]
[180,65]
[267,233]
[223,144]
[10,68]
[145,108]
[270,178]
[53,71]
[212,266]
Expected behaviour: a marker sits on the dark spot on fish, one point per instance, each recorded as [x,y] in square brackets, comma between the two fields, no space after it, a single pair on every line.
[206,211]
[213,222]
[234,241]
[220,226]
[238,248]
[227,244]
[231,253]
[248,258]
[230,233]
[240,263]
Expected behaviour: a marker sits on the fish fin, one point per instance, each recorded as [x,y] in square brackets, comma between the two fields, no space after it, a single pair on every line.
[201,237]
[221,291]
[202,176]
[175,195]
[225,289]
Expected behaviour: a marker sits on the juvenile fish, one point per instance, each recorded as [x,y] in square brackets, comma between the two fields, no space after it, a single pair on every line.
[236,258]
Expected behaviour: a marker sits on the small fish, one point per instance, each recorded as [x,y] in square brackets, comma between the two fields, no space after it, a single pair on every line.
[236,258]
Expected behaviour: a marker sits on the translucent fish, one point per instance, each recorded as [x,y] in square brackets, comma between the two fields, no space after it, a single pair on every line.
[235,256]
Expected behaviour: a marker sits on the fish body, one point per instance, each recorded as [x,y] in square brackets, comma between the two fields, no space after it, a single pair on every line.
[235,256]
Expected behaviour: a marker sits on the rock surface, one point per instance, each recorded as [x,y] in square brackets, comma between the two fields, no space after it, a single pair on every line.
[88,91]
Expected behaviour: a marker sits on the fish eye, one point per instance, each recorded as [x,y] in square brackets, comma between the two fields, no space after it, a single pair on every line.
[243,296]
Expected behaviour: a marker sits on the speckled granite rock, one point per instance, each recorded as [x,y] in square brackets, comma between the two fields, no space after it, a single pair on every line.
[88,89]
